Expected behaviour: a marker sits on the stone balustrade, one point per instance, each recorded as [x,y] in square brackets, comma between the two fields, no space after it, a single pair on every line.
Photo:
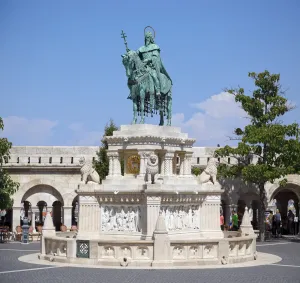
[141,252]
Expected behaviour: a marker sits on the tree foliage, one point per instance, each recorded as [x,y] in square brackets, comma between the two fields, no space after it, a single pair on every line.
[101,164]
[196,171]
[266,139]
[7,186]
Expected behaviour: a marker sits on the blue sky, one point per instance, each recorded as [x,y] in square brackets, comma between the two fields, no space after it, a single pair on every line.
[62,79]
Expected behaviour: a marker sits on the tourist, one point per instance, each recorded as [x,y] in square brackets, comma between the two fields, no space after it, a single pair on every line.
[270,222]
[278,223]
[296,222]
[235,221]
[222,221]
[290,222]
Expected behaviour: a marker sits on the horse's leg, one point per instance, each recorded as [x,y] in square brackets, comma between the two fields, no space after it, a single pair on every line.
[169,111]
[134,111]
[161,114]
[142,100]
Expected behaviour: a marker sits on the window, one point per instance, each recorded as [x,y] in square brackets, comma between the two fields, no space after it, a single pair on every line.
[198,160]
[50,160]
[61,160]
[28,160]
[40,160]
[219,159]
[5,159]
[208,159]
[18,159]
[177,160]
[72,160]
[93,159]
[228,161]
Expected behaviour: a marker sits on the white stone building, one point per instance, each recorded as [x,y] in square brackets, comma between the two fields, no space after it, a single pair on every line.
[49,176]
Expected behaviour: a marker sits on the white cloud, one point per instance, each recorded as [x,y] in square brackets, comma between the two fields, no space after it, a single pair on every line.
[219,115]
[23,131]
[84,137]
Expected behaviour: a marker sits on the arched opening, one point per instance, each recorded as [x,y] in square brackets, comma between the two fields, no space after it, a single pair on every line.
[37,201]
[287,199]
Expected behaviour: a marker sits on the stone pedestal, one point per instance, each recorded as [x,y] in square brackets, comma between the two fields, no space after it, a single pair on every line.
[162,245]
[89,217]
[210,217]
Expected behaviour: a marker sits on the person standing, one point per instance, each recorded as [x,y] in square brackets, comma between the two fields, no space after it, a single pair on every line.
[278,223]
[222,221]
[291,222]
[296,223]
[235,221]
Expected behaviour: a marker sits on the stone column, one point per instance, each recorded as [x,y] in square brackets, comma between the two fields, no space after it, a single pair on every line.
[34,211]
[143,161]
[182,169]
[67,216]
[187,164]
[110,158]
[210,217]
[116,164]
[153,208]
[168,164]
[162,165]
[89,223]
[16,217]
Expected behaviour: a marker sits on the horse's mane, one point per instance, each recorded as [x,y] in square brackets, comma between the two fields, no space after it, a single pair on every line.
[137,60]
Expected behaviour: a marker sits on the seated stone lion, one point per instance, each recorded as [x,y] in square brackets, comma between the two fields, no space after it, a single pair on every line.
[88,173]
[210,172]
[152,167]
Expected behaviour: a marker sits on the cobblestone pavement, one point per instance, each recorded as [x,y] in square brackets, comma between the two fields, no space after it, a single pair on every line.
[14,271]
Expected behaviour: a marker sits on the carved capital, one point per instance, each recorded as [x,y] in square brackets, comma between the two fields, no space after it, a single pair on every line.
[169,155]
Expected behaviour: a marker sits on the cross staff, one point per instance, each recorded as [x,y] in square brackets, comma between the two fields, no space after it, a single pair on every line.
[123,35]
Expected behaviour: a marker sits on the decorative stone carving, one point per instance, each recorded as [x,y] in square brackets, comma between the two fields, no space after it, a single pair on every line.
[181,217]
[133,164]
[246,227]
[152,167]
[109,252]
[194,252]
[124,218]
[178,252]
[142,252]
[210,172]
[88,173]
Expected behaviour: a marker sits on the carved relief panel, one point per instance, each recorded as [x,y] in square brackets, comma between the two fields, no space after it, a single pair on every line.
[121,218]
[181,217]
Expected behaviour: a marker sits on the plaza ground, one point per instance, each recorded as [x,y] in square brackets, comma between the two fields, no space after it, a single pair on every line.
[287,270]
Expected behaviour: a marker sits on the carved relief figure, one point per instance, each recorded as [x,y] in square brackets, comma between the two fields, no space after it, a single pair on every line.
[152,167]
[181,217]
[88,173]
[210,172]
[120,219]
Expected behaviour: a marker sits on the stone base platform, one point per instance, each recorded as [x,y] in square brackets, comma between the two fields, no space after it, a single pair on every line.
[262,259]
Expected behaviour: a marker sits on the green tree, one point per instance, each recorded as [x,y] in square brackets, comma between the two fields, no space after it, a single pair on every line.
[7,186]
[274,144]
[101,164]
[196,171]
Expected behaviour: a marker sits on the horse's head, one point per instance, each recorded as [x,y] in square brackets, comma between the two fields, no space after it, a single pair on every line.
[129,62]
[132,62]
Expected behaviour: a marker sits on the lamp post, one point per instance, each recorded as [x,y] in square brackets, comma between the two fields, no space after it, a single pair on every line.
[25,230]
